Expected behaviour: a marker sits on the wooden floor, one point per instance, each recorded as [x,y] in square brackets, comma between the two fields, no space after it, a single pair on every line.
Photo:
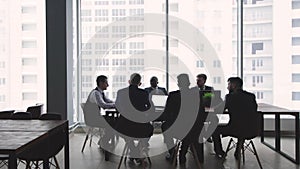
[93,158]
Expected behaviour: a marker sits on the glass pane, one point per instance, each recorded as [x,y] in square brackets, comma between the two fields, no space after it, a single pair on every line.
[277,78]
[22,54]
[206,41]
[118,38]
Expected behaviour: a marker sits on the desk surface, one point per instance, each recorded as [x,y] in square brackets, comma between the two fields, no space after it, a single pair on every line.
[29,125]
[12,141]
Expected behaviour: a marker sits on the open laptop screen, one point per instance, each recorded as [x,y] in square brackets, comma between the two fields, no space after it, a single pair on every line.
[159,100]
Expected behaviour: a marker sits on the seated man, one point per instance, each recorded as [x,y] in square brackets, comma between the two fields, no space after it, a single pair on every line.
[240,105]
[133,104]
[97,97]
[154,89]
[185,116]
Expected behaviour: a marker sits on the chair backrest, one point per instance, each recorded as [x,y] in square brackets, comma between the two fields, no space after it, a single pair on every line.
[6,114]
[21,116]
[50,116]
[91,113]
[46,148]
[35,110]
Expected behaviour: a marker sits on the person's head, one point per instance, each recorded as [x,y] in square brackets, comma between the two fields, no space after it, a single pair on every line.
[234,84]
[153,81]
[183,81]
[201,80]
[102,82]
[135,79]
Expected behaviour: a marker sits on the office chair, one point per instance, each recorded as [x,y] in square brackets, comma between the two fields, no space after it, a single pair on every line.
[35,110]
[4,160]
[125,153]
[248,131]
[51,116]
[6,114]
[21,116]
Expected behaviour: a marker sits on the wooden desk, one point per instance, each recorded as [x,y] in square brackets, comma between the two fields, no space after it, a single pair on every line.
[19,135]
[265,109]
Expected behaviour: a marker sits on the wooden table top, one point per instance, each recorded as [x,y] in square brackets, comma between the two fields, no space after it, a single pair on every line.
[29,125]
[12,141]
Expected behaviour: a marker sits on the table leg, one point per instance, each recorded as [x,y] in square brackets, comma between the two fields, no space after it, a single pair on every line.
[262,134]
[277,132]
[66,149]
[297,137]
[12,162]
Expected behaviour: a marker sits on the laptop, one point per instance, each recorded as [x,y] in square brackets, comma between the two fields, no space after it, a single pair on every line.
[159,100]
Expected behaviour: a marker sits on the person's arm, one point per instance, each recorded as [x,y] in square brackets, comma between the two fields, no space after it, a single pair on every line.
[101,103]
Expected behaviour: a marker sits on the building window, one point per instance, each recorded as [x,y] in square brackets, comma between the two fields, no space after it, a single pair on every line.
[216,63]
[86,81]
[295,59]
[199,64]
[257,80]
[295,41]
[2,98]
[119,80]
[29,79]
[296,77]
[217,80]
[2,65]
[257,46]
[295,4]
[174,7]
[29,96]
[28,9]
[2,81]
[296,96]
[29,44]
[28,27]
[259,95]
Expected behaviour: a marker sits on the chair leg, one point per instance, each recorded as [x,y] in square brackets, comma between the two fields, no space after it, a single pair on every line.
[255,153]
[175,155]
[56,162]
[196,158]
[123,154]
[243,153]
[228,146]
[85,140]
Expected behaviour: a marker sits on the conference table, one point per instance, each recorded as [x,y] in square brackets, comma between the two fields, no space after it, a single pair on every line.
[267,109]
[18,136]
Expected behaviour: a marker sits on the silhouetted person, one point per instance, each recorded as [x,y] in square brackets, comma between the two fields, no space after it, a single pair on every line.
[134,105]
[154,89]
[240,104]
[184,117]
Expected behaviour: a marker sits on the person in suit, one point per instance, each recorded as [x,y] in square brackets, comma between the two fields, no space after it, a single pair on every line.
[134,105]
[154,89]
[184,115]
[240,105]
[201,80]
[98,98]
[97,95]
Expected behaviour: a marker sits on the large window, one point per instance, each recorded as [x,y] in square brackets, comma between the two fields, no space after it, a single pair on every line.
[22,54]
[204,36]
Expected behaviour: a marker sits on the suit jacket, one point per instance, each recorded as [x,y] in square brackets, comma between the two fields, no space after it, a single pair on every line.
[173,107]
[163,90]
[242,109]
[140,101]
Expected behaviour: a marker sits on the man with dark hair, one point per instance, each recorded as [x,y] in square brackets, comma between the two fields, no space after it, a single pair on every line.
[201,80]
[98,98]
[154,89]
[240,105]
[97,95]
